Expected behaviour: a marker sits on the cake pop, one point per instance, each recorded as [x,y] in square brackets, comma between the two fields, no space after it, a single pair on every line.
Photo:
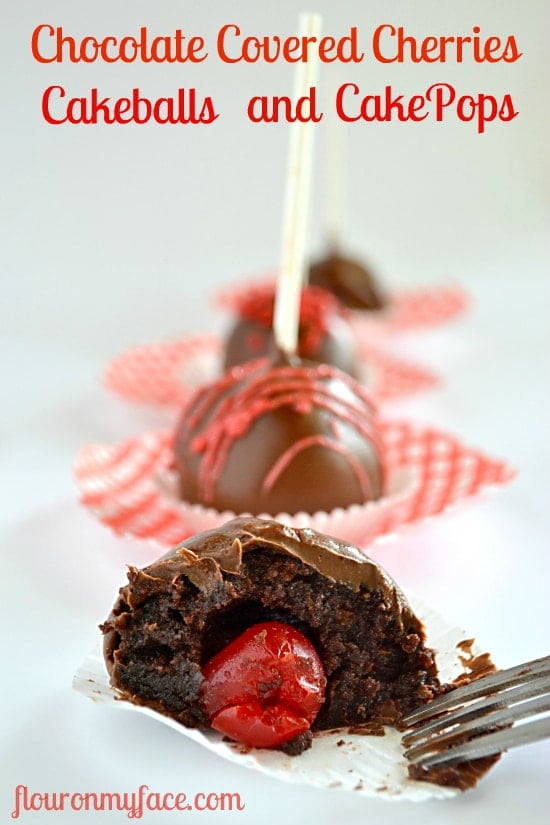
[324,335]
[284,437]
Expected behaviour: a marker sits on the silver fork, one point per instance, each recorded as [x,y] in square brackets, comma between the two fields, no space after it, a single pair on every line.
[481,713]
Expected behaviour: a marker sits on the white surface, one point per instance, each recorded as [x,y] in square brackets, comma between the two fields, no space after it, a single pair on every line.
[112,236]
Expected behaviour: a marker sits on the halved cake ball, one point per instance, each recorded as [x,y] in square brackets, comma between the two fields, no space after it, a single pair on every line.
[280,438]
[280,631]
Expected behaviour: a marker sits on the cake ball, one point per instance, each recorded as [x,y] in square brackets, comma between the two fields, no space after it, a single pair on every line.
[267,633]
[349,281]
[283,437]
[324,335]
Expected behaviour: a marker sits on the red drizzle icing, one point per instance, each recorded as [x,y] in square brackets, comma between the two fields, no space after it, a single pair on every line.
[317,306]
[225,411]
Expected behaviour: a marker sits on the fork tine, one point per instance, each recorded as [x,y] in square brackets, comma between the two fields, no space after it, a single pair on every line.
[486,685]
[488,722]
[488,744]
[480,707]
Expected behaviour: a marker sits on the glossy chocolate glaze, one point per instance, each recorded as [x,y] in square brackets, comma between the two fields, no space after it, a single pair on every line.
[283,438]
[349,281]
[225,546]
[206,558]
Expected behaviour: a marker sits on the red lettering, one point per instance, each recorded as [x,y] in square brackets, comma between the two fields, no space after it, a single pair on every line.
[61,42]
[377,108]
[207,113]
[104,50]
[123,105]
[442,101]
[221,42]
[137,101]
[431,44]
[36,802]
[376,50]
[486,115]
[292,45]
[394,103]
[416,103]
[163,49]
[183,108]
[306,108]
[460,41]
[76,110]
[125,42]
[507,111]
[466,108]
[168,104]
[326,47]
[200,807]
[35,43]
[195,46]
[511,52]
[263,109]
[153,802]
[492,45]
[83,49]
[340,102]
[252,49]
[46,104]
[392,45]
[475,45]
[347,48]
[180,803]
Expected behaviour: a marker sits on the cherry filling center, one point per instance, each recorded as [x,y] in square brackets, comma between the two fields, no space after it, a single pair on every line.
[264,688]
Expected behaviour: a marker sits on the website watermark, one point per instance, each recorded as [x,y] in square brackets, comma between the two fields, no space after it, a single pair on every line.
[134,803]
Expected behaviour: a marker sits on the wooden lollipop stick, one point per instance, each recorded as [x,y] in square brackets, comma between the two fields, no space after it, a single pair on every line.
[286,316]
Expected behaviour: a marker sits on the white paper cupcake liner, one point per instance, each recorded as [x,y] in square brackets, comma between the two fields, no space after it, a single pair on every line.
[371,766]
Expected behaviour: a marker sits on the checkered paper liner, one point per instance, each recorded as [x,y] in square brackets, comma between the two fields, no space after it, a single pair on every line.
[371,766]
[167,374]
[132,488]
[406,310]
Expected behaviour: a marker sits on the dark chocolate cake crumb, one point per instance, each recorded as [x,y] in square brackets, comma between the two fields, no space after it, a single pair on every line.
[174,615]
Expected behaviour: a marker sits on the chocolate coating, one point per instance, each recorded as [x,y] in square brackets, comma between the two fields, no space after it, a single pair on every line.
[286,438]
[324,335]
[204,558]
[349,281]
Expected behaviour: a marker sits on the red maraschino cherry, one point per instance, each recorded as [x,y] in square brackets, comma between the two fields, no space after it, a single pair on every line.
[264,688]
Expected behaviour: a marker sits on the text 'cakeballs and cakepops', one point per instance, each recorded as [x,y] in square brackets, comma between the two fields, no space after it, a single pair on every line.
[232,45]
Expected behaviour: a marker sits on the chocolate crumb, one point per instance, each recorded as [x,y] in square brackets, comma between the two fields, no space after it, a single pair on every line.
[368,729]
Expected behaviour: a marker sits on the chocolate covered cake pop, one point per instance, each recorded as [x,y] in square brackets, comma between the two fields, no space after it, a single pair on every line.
[275,630]
[324,335]
[348,280]
[280,438]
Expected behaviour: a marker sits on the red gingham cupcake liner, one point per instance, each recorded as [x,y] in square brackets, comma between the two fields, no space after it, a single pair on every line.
[406,309]
[168,374]
[130,487]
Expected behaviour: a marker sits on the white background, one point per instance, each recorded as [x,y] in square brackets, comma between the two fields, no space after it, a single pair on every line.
[117,235]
